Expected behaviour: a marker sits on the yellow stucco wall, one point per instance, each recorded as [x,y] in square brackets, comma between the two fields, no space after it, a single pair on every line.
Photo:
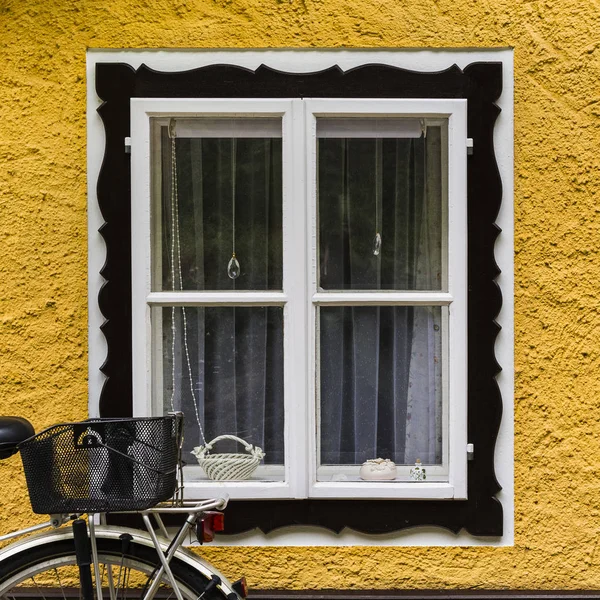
[43,295]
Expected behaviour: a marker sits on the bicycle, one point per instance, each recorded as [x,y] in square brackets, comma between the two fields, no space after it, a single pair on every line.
[97,467]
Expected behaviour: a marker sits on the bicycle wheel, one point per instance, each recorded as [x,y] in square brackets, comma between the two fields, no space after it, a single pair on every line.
[47,569]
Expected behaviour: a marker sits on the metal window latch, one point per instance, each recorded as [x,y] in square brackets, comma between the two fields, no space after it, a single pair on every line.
[469,146]
[470,451]
[127,145]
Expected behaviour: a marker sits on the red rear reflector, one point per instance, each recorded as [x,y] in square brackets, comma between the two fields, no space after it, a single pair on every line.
[212,521]
[241,587]
[218,521]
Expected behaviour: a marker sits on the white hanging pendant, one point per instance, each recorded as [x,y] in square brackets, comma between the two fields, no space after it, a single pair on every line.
[377,244]
[378,199]
[233,268]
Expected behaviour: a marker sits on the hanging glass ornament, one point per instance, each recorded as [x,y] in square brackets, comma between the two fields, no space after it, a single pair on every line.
[377,244]
[233,268]
[378,200]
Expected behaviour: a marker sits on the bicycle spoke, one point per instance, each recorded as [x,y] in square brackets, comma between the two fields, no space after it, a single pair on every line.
[62,590]
[126,585]
[104,572]
[111,582]
[104,577]
[38,588]
[119,578]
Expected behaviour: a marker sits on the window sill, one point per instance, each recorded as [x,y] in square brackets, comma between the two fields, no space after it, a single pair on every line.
[242,490]
[376,490]
[347,490]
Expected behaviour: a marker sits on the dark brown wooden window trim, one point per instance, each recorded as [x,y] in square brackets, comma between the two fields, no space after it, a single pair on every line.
[481,85]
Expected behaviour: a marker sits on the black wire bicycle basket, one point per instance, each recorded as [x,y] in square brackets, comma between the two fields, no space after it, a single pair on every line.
[103,465]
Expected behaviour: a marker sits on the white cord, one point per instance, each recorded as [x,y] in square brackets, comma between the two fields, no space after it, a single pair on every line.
[176,249]
[377,183]
[173,203]
[233,169]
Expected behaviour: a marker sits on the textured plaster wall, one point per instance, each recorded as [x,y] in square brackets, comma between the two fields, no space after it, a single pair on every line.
[43,313]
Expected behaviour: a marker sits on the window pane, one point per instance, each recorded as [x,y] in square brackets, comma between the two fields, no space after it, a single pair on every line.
[381,385]
[223,367]
[222,195]
[381,205]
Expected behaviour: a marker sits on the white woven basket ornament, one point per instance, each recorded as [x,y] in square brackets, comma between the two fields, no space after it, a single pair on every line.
[228,466]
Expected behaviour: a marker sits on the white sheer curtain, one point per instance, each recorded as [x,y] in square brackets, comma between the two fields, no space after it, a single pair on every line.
[224,365]
[380,372]
[380,366]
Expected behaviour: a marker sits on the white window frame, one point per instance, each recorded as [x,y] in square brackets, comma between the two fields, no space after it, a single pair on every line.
[456,368]
[300,297]
[290,298]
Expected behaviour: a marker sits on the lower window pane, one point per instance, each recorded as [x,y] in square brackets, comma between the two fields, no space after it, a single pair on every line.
[223,367]
[381,389]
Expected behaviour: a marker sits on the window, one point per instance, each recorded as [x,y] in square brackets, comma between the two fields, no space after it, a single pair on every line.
[354,316]
[326,354]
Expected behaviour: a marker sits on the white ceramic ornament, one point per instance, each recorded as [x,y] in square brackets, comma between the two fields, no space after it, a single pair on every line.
[418,473]
[378,469]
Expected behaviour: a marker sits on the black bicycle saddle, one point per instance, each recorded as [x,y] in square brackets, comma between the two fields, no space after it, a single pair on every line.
[13,431]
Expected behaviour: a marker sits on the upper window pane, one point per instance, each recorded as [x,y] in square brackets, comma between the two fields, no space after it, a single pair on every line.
[381,204]
[217,205]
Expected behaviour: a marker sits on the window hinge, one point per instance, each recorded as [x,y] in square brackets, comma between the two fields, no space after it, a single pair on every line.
[469,145]
[127,145]
[470,451]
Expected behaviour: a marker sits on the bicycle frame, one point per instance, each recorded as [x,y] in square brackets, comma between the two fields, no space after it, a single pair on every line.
[55,521]
[166,549]
[192,511]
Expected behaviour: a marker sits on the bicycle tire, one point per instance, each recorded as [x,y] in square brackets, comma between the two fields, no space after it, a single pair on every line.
[44,560]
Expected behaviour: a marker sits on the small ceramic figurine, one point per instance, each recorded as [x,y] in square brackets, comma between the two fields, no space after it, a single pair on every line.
[417,473]
[378,469]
